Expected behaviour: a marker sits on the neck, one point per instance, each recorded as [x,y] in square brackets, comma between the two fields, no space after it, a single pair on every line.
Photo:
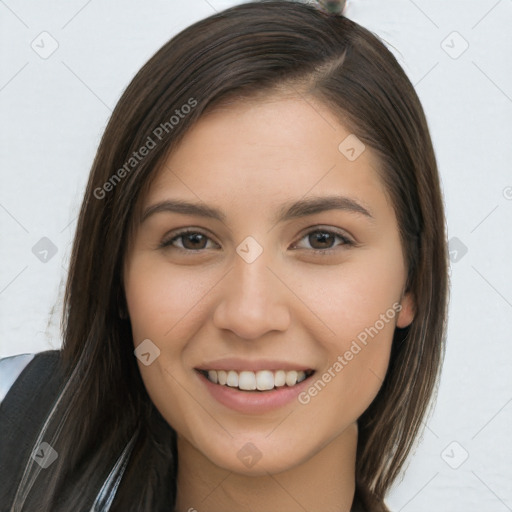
[326,482]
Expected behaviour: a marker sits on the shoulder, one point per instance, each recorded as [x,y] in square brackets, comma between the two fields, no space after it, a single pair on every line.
[10,369]
[13,368]
[29,384]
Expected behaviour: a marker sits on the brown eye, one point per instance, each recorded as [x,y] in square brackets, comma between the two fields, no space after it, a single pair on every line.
[190,241]
[321,239]
[193,241]
[324,241]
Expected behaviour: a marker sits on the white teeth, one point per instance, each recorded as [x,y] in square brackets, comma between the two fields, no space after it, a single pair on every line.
[291,378]
[232,379]
[279,378]
[247,381]
[262,380]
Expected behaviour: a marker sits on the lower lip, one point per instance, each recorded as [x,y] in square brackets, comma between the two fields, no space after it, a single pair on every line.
[253,402]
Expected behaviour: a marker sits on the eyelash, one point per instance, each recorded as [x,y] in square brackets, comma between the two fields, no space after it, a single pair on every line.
[346,241]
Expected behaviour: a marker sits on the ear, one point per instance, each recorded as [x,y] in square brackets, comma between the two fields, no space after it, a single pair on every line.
[406,314]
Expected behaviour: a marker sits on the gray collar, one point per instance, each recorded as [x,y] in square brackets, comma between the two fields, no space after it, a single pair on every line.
[107,493]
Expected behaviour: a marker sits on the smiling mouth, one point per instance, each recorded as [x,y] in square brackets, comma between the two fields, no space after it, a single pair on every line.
[263,380]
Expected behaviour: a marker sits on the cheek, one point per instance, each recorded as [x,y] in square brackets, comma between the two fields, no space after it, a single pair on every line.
[358,304]
[165,307]
[355,361]
[352,297]
[163,302]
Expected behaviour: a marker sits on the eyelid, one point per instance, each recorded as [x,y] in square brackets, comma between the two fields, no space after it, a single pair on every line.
[342,233]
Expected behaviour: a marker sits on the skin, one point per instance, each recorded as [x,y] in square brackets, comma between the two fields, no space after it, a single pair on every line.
[289,304]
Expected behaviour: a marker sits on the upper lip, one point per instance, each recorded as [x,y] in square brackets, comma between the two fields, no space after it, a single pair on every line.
[239,365]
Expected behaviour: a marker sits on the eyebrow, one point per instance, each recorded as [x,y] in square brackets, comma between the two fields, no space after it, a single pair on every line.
[288,211]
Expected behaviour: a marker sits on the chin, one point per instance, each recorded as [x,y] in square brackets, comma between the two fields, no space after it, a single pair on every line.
[257,456]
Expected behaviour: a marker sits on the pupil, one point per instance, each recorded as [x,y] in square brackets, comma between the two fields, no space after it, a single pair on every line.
[322,237]
[195,238]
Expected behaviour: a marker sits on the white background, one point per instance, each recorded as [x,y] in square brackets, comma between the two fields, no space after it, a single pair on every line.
[53,112]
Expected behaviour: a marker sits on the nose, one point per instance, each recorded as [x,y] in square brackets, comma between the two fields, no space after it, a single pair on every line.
[253,300]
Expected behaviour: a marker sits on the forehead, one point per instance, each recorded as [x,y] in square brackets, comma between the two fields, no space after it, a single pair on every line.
[253,153]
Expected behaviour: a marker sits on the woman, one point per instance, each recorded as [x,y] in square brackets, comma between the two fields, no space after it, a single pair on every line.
[217,355]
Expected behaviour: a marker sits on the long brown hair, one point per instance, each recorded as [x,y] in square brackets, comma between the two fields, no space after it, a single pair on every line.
[241,52]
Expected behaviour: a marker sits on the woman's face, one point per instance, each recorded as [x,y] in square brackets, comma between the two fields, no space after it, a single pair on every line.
[272,282]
